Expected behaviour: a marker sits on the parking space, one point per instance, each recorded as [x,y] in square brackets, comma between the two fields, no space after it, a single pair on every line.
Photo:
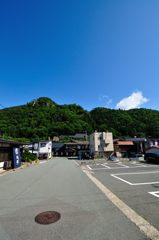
[135,183]
[138,178]
[118,165]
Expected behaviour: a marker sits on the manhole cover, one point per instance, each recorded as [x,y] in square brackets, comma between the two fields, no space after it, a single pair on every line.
[47,217]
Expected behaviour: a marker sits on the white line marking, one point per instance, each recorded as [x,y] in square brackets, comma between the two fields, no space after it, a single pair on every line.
[138,164]
[121,179]
[134,173]
[123,165]
[156,194]
[89,167]
[149,230]
[96,169]
[76,163]
[106,166]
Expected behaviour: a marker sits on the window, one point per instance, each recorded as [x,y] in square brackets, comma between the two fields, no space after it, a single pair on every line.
[42,144]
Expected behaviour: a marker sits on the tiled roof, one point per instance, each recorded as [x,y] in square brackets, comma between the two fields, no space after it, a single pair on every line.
[123,143]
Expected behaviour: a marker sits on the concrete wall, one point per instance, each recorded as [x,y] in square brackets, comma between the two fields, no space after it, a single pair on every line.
[101,142]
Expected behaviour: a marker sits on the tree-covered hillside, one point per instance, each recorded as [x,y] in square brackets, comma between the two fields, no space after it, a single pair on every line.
[135,122]
[43,118]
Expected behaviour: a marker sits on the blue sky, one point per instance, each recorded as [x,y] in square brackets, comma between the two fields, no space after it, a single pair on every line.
[89,52]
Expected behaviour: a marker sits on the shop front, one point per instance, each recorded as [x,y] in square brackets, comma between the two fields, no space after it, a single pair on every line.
[10,154]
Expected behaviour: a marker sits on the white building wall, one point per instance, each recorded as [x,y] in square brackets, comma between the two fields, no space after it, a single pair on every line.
[44,147]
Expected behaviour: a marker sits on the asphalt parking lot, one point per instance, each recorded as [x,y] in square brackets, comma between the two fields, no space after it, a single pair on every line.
[61,186]
[135,183]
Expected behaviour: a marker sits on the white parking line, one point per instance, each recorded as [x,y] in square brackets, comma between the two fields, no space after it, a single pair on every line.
[89,167]
[76,163]
[111,168]
[106,166]
[138,164]
[135,173]
[150,231]
[156,194]
[122,165]
[121,179]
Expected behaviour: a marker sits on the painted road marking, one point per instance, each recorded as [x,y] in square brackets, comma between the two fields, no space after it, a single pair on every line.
[121,179]
[156,194]
[76,163]
[106,166]
[134,173]
[123,165]
[89,167]
[149,230]
[139,164]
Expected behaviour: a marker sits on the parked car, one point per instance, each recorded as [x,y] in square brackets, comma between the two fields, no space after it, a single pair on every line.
[152,157]
[113,158]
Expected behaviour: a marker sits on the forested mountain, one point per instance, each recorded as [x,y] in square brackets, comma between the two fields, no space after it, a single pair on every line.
[43,118]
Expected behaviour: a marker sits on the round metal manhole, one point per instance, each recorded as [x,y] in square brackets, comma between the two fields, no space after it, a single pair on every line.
[47,217]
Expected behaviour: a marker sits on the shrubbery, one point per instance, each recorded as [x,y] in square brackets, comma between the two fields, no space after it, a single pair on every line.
[28,157]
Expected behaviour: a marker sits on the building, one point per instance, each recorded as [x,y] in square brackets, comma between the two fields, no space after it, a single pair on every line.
[141,144]
[10,154]
[123,148]
[79,148]
[82,136]
[152,142]
[42,149]
[58,149]
[128,147]
[101,144]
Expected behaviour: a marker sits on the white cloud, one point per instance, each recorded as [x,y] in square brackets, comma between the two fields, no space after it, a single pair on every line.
[135,100]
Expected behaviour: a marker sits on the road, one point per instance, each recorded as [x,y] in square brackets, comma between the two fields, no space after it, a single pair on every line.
[61,185]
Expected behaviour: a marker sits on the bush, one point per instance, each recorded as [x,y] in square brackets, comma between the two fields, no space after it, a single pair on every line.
[28,157]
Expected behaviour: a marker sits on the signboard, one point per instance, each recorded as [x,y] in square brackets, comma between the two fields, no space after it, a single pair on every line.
[16,158]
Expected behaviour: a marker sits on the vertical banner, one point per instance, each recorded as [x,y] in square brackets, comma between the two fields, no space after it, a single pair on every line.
[16,158]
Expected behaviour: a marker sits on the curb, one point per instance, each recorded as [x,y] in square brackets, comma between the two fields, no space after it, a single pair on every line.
[25,165]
